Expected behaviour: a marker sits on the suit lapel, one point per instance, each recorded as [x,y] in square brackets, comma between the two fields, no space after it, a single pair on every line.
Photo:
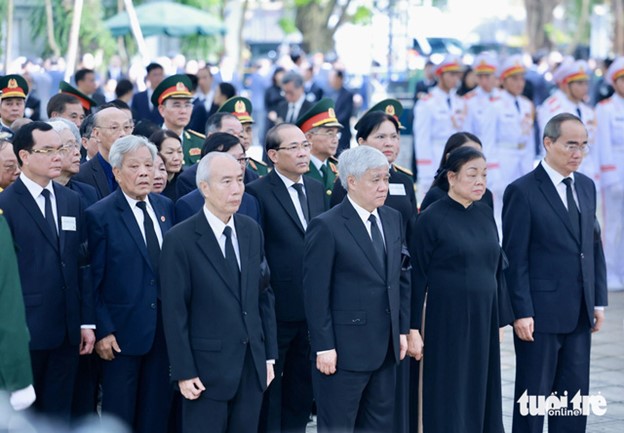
[283,197]
[244,246]
[553,198]
[587,216]
[62,209]
[207,243]
[316,203]
[355,226]
[389,234]
[100,177]
[131,224]
[33,210]
[161,216]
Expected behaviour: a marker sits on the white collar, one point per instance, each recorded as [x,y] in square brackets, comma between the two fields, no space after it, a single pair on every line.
[217,225]
[363,213]
[34,188]
[554,175]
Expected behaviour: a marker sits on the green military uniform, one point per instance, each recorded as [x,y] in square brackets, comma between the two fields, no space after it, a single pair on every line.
[15,368]
[389,106]
[86,102]
[11,86]
[178,87]
[327,176]
[241,108]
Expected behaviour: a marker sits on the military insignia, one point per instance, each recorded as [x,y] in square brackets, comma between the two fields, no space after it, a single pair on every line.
[180,87]
[333,167]
[483,63]
[253,165]
[162,218]
[12,83]
[1,211]
[195,151]
[239,107]
[328,192]
[390,110]
[331,112]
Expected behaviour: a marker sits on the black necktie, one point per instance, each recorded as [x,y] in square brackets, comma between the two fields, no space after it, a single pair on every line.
[578,113]
[517,104]
[291,113]
[378,243]
[573,212]
[230,256]
[448,102]
[303,201]
[151,240]
[49,215]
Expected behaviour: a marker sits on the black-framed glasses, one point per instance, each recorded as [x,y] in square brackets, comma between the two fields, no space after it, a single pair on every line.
[243,160]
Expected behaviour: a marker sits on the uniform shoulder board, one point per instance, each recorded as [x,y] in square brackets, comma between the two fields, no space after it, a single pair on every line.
[403,170]
[258,162]
[333,167]
[427,97]
[606,101]
[198,134]
[470,95]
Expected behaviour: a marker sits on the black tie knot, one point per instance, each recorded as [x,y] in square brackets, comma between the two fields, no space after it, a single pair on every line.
[372,219]
[227,232]
[142,205]
[568,181]
[46,194]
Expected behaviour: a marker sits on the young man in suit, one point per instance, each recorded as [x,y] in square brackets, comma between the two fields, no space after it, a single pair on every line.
[125,232]
[556,274]
[49,230]
[296,104]
[288,202]
[218,308]
[357,296]
[142,107]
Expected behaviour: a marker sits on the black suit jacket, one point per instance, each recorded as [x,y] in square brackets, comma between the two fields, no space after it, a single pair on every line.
[92,173]
[284,239]
[551,274]
[55,276]
[209,323]
[344,112]
[350,305]
[282,110]
[141,109]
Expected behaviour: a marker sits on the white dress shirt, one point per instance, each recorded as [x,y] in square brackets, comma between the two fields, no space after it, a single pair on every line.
[35,190]
[557,180]
[294,197]
[364,215]
[217,227]
[138,215]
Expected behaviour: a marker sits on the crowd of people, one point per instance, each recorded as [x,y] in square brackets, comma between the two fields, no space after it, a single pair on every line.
[152,271]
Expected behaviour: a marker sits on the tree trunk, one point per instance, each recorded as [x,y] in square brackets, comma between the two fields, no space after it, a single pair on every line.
[580,25]
[618,24]
[72,48]
[539,13]
[50,28]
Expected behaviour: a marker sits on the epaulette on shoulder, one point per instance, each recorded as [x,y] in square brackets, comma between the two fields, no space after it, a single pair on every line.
[427,97]
[198,134]
[259,162]
[606,101]
[552,100]
[470,95]
[333,167]
[403,170]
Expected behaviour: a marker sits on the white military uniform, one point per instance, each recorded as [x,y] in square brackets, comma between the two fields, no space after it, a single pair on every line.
[437,116]
[479,114]
[610,147]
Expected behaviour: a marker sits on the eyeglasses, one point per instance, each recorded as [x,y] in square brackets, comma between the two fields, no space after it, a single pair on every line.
[72,145]
[243,160]
[330,134]
[116,128]
[51,151]
[295,147]
[573,148]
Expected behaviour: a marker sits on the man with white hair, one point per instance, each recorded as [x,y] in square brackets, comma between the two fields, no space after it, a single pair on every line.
[357,298]
[125,232]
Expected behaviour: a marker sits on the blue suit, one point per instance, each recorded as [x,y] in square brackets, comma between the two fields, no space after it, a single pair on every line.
[191,203]
[57,293]
[127,306]
[141,109]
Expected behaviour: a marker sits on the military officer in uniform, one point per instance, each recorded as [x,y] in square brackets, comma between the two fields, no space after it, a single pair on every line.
[241,108]
[173,99]
[512,151]
[13,92]
[87,103]
[610,153]
[438,115]
[481,99]
[322,129]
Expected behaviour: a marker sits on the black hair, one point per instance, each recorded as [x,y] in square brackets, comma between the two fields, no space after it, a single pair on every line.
[145,128]
[273,139]
[277,71]
[371,122]
[227,90]
[456,160]
[455,141]
[123,87]
[82,73]
[214,122]
[219,142]
[57,103]
[24,139]
[161,135]
[118,103]
[153,66]
[86,127]
[552,129]
[194,80]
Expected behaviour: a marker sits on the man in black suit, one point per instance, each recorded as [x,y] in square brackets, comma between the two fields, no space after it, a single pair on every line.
[49,230]
[296,104]
[203,101]
[142,107]
[556,275]
[288,202]
[86,82]
[356,294]
[110,124]
[343,100]
[218,309]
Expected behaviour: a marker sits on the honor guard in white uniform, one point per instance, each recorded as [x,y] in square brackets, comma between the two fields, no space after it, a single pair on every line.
[480,101]
[514,143]
[610,153]
[437,116]
[573,80]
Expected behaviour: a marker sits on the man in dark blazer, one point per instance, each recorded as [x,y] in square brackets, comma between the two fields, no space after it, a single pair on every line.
[48,227]
[288,201]
[142,107]
[356,296]
[109,124]
[218,308]
[556,274]
[296,104]
[344,107]
[125,231]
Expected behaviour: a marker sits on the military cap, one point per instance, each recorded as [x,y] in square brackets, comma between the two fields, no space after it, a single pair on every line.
[321,114]
[239,107]
[389,106]
[512,65]
[13,86]
[86,102]
[450,63]
[615,71]
[485,63]
[573,71]
[176,86]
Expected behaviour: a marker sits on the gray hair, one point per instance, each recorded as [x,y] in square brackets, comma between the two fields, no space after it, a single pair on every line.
[60,124]
[293,77]
[127,144]
[203,167]
[552,129]
[357,161]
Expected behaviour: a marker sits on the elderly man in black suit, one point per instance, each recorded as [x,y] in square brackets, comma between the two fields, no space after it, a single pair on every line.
[288,201]
[218,309]
[357,295]
[556,275]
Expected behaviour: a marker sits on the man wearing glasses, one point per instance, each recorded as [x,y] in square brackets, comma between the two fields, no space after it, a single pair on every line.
[322,130]
[110,124]
[8,164]
[173,99]
[47,225]
[288,202]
